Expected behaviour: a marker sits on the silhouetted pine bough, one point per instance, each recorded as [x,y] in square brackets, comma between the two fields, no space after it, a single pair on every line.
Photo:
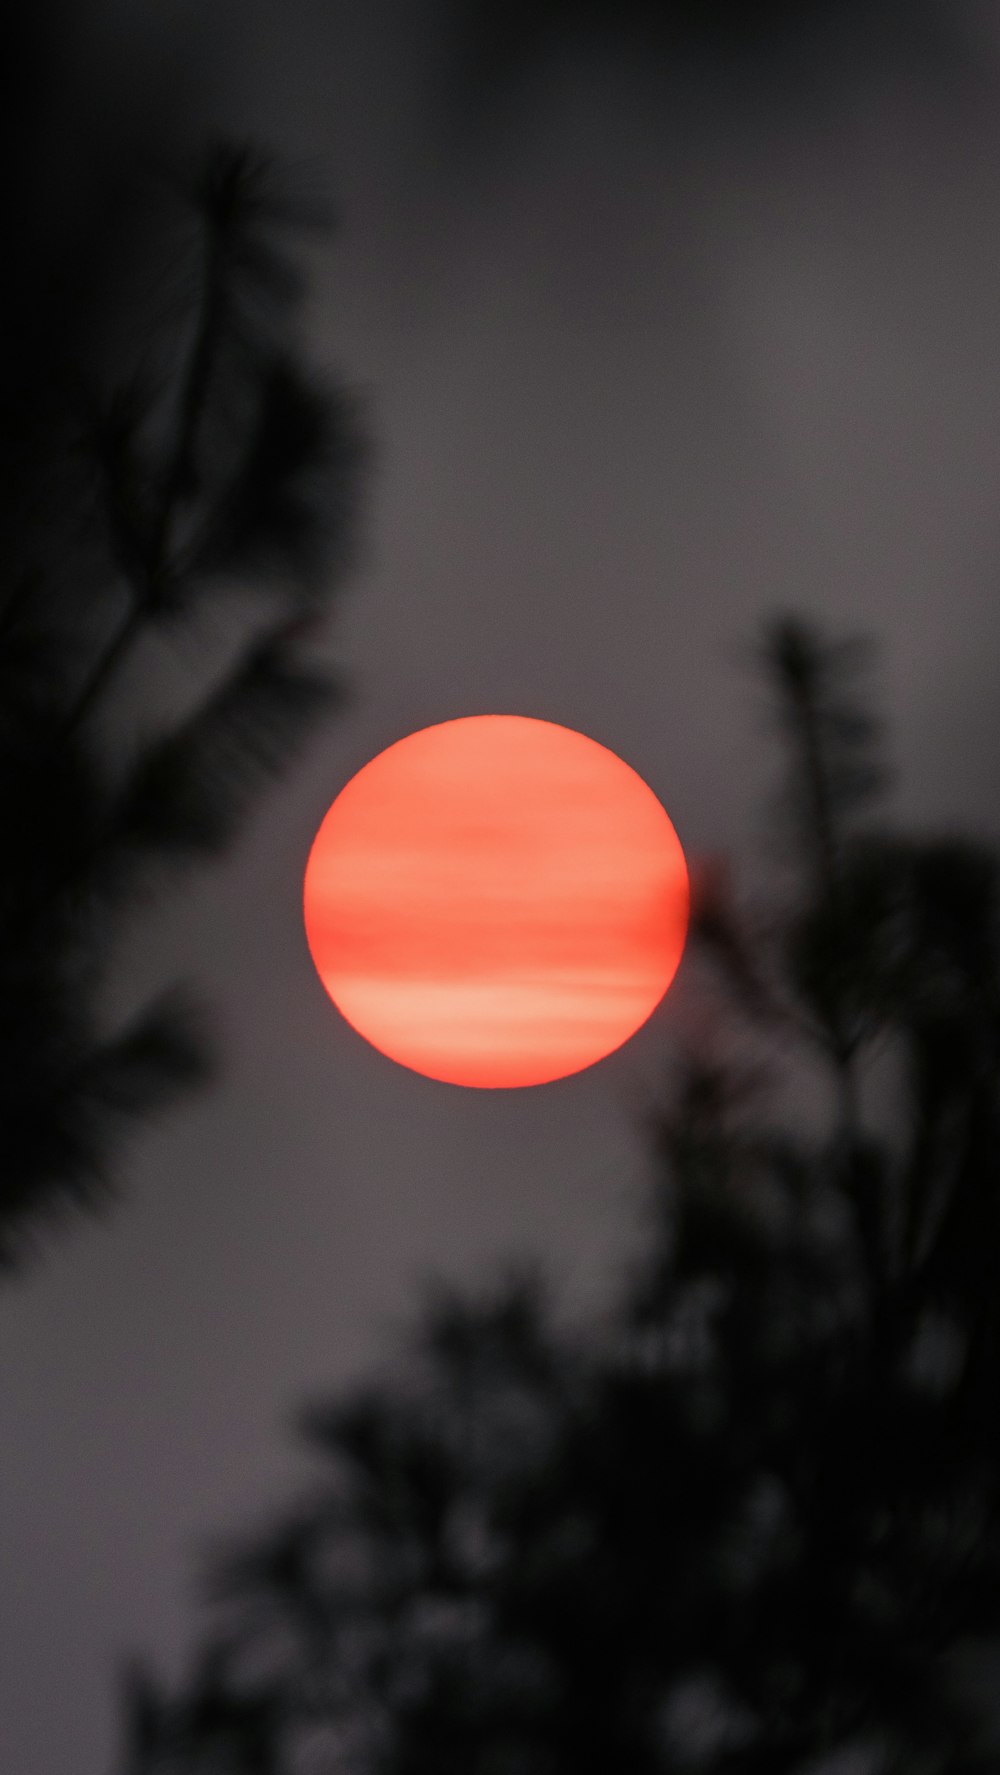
[748,1523]
[202,475]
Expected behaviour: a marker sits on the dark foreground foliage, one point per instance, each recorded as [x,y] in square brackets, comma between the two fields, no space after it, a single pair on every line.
[181,489]
[749,1523]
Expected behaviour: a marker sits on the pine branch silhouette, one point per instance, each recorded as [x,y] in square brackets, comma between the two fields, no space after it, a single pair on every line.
[160,490]
[748,1520]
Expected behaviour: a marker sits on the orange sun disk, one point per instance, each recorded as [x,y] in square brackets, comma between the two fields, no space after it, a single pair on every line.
[496,901]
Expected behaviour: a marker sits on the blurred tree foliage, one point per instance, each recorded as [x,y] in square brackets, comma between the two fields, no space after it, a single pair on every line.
[186,468]
[749,1522]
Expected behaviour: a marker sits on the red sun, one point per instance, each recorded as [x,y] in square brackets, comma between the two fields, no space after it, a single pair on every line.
[496,901]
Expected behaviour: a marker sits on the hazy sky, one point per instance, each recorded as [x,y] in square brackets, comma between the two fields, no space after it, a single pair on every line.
[657,357]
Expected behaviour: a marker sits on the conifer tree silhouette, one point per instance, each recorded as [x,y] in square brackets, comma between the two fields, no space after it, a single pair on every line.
[749,1522]
[202,473]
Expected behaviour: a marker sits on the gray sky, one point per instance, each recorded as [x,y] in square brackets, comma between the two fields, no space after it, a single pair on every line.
[659,362]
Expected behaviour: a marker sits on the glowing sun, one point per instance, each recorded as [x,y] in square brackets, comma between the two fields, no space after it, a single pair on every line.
[496,901]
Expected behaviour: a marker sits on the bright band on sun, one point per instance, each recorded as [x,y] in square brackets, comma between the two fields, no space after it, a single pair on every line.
[496,901]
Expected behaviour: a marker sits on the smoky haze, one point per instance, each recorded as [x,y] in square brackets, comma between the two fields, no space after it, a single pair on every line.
[655,351]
